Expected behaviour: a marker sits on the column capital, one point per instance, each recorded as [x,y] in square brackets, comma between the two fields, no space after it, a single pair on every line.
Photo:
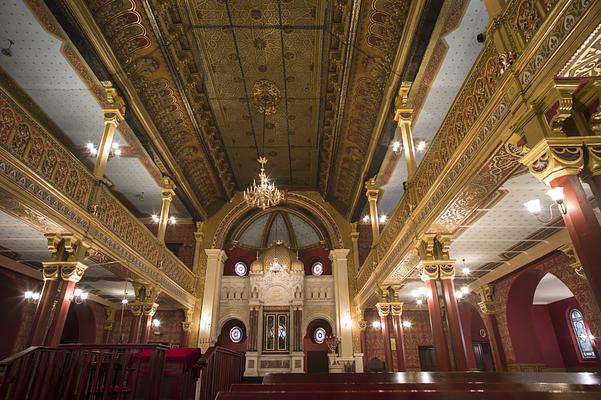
[485,295]
[383,309]
[114,109]
[555,157]
[362,324]
[72,271]
[145,293]
[575,264]
[216,254]
[338,254]
[354,231]
[433,246]
[593,149]
[396,308]
[371,190]
[403,113]
[167,188]
[146,309]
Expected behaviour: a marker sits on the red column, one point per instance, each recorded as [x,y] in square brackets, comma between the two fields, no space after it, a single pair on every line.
[134,330]
[363,341]
[583,228]
[454,325]
[400,342]
[440,342]
[146,326]
[43,312]
[490,322]
[60,314]
[385,325]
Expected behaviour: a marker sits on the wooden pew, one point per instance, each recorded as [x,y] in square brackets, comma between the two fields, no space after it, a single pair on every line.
[495,386]
[577,378]
[405,395]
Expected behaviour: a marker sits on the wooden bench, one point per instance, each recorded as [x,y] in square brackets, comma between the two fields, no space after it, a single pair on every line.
[495,386]
[582,378]
[405,395]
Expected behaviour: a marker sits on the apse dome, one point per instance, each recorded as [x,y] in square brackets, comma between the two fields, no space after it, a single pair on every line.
[277,258]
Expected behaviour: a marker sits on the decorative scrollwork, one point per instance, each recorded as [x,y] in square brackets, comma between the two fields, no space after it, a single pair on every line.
[267,97]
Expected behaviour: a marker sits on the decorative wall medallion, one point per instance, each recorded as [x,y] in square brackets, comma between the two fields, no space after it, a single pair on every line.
[317,269]
[319,336]
[266,96]
[240,268]
[236,334]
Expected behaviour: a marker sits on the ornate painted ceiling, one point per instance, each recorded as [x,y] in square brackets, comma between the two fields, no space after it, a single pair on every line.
[200,69]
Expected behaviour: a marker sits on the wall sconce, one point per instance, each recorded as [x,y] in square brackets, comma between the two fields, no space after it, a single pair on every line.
[396,146]
[556,194]
[156,219]
[79,296]
[156,324]
[421,145]
[114,151]
[407,324]
[376,325]
[32,297]
[461,292]
[383,219]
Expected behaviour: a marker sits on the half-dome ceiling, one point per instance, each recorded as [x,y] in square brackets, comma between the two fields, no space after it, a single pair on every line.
[282,225]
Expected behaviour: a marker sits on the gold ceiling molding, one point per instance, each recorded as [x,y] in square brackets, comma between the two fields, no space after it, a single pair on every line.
[267,97]
[382,23]
[469,129]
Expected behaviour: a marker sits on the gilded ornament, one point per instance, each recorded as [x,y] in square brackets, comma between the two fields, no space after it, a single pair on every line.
[266,96]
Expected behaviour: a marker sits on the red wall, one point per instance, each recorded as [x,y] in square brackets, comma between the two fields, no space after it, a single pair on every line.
[236,254]
[364,242]
[182,235]
[311,256]
[545,334]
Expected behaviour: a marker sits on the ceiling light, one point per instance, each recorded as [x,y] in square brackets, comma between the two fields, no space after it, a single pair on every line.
[533,206]
[459,294]
[172,220]
[376,325]
[156,323]
[90,146]
[155,218]
[419,302]
[465,271]
[115,145]
[124,301]
[383,219]
[365,218]
[407,324]
[465,290]
[396,146]
[421,145]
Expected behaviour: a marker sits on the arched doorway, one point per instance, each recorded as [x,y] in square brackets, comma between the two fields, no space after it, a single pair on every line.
[547,325]
[233,336]
[11,314]
[315,346]
[80,325]
[477,343]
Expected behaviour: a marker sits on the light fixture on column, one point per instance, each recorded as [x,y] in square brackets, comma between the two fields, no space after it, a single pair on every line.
[420,295]
[156,219]
[421,145]
[79,296]
[407,324]
[396,146]
[556,194]
[383,218]
[32,297]
[365,218]
[114,151]
[376,324]
[156,324]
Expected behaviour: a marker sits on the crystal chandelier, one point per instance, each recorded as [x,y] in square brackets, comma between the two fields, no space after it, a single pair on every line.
[265,194]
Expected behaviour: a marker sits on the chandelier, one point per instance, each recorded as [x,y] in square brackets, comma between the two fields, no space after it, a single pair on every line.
[264,194]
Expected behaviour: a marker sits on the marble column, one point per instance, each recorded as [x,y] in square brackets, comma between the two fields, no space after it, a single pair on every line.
[211,297]
[343,303]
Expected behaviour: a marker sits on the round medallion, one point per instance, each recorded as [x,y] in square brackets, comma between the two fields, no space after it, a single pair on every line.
[240,268]
[317,269]
[236,334]
[319,336]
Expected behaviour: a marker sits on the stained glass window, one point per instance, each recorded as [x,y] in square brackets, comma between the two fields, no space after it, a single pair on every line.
[236,334]
[582,337]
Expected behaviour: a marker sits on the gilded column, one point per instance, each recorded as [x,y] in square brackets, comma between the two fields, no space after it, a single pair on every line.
[168,192]
[143,309]
[343,302]
[355,241]
[487,306]
[113,115]
[211,296]
[404,117]
[372,198]
[198,239]
[383,307]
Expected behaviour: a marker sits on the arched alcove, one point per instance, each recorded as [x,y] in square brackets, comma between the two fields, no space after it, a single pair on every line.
[80,325]
[477,344]
[228,338]
[316,354]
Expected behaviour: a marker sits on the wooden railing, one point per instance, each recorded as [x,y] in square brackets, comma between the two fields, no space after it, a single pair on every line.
[220,368]
[84,372]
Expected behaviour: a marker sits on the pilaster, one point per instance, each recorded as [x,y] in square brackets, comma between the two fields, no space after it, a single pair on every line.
[167,193]
[342,300]
[372,193]
[211,295]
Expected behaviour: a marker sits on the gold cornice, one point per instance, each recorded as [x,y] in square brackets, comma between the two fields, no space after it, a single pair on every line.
[450,164]
[403,48]
[93,34]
